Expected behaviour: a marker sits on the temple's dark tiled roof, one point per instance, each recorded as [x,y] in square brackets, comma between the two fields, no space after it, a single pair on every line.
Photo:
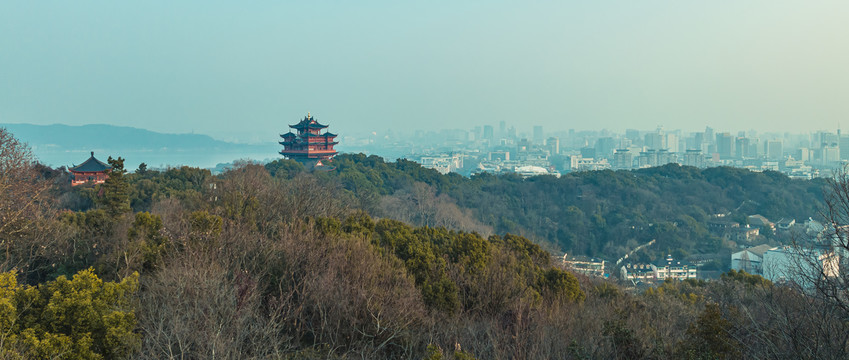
[310,122]
[91,165]
[327,134]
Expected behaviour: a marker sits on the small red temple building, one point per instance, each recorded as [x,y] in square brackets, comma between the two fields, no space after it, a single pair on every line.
[92,170]
[309,145]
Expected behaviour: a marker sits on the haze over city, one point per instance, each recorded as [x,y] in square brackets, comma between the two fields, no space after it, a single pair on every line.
[424,180]
[242,72]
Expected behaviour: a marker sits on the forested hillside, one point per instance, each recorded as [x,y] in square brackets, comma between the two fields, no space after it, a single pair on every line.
[272,261]
[597,213]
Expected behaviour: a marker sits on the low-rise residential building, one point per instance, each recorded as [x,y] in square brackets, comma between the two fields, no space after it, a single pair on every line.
[761,222]
[742,234]
[798,265]
[672,269]
[750,260]
[785,224]
[637,273]
[443,163]
[584,265]
[719,225]
[580,163]
[668,269]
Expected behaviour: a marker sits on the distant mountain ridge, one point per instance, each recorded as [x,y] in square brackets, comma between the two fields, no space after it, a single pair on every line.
[65,145]
[110,136]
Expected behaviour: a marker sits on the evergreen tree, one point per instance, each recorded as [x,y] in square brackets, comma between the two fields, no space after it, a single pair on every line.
[142,170]
[116,191]
[82,317]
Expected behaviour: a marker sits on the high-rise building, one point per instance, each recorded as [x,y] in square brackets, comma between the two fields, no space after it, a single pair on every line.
[633,134]
[844,147]
[709,135]
[623,159]
[539,136]
[699,142]
[741,148]
[553,145]
[477,132]
[827,139]
[754,148]
[725,145]
[694,158]
[665,157]
[604,147]
[524,146]
[588,152]
[647,158]
[830,154]
[488,133]
[803,154]
[672,143]
[773,149]
[654,140]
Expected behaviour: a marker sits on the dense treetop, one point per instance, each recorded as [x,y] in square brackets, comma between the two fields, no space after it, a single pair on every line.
[596,213]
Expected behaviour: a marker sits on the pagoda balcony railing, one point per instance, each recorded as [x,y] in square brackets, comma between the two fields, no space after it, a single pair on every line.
[284,152]
[308,149]
[293,143]
[301,145]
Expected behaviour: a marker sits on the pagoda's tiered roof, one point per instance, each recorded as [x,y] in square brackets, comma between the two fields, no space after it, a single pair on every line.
[308,122]
[292,135]
[308,143]
[91,165]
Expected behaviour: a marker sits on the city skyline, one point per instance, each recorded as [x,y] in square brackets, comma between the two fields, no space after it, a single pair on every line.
[244,72]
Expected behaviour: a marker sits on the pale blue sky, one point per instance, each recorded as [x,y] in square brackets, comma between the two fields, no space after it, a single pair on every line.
[243,70]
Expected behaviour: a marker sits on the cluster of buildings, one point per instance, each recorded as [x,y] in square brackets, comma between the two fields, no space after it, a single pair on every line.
[584,265]
[816,252]
[669,269]
[504,149]
[310,144]
[798,264]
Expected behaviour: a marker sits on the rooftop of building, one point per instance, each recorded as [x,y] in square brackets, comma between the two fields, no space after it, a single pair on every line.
[759,250]
[308,122]
[91,165]
[759,220]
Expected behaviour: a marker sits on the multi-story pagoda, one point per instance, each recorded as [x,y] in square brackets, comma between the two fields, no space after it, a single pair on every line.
[309,145]
[91,170]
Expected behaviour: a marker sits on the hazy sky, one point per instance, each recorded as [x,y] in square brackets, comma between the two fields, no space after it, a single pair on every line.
[244,70]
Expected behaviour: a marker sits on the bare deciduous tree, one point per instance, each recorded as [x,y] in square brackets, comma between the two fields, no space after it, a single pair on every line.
[818,260]
[22,194]
[420,205]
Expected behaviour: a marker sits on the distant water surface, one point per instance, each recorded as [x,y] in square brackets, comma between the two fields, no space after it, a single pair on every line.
[155,159]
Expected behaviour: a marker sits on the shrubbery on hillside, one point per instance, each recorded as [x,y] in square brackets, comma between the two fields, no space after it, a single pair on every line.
[276,262]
